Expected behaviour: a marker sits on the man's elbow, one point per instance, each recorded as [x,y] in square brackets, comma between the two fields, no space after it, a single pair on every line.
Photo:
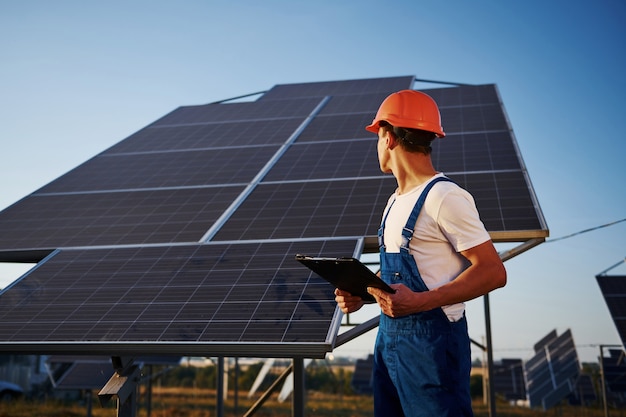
[499,275]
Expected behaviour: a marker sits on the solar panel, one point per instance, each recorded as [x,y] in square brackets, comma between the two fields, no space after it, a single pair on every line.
[91,372]
[310,209]
[112,218]
[613,288]
[338,88]
[585,391]
[338,127]
[293,171]
[362,378]
[163,170]
[508,379]
[210,135]
[86,375]
[614,368]
[240,299]
[317,161]
[551,373]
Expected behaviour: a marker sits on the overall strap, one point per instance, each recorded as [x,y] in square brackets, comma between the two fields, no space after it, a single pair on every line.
[409,228]
[381,229]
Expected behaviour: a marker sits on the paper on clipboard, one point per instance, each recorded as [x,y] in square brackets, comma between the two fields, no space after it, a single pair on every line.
[347,274]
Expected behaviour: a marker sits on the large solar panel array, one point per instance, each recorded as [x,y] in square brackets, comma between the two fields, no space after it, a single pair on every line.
[552,372]
[180,239]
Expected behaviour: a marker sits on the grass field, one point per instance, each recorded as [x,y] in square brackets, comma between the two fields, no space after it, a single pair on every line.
[190,402]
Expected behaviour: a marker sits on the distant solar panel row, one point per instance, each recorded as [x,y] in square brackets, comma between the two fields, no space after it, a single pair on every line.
[551,374]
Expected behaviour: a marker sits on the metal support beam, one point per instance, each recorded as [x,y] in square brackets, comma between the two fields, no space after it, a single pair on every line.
[123,385]
[281,378]
[220,387]
[298,387]
[357,331]
[491,391]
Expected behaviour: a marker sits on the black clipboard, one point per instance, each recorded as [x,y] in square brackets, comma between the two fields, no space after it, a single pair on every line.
[347,274]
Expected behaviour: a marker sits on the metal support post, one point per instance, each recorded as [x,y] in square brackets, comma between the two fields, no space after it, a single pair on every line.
[123,385]
[603,381]
[490,387]
[298,387]
[220,387]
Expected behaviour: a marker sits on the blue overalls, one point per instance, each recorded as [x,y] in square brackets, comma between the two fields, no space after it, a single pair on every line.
[421,361]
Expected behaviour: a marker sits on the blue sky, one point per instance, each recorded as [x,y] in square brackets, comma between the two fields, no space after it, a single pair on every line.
[77,77]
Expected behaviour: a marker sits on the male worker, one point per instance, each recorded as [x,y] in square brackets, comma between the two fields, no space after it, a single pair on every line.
[436,254]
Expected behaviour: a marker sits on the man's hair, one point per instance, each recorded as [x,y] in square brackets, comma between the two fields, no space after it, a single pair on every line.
[411,140]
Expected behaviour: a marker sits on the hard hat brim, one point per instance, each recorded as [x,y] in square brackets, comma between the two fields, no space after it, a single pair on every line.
[373,127]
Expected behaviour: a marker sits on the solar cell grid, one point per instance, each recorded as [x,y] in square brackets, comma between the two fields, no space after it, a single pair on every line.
[337,88]
[331,128]
[337,159]
[204,136]
[114,218]
[613,288]
[465,95]
[358,103]
[479,118]
[289,107]
[189,293]
[310,209]
[165,170]
[485,151]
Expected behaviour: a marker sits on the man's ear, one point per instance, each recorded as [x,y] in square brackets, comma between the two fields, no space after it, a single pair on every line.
[391,140]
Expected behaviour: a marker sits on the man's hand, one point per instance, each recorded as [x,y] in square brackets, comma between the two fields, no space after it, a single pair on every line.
[402,303]
[347,302]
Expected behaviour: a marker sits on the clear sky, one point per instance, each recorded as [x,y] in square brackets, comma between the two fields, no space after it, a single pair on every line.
[77,77]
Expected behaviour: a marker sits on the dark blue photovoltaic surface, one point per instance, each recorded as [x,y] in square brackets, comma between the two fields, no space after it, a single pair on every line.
[180,239]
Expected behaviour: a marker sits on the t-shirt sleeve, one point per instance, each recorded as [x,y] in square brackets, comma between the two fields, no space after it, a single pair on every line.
[460,222]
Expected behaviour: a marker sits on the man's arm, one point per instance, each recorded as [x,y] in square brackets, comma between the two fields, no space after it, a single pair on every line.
[486,273]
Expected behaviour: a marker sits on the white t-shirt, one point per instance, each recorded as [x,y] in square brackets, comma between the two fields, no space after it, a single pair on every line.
[447,224]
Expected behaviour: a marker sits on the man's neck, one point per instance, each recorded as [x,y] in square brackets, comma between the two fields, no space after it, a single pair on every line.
[414,171]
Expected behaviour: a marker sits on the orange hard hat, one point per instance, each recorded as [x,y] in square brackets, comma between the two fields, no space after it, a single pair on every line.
[409,109]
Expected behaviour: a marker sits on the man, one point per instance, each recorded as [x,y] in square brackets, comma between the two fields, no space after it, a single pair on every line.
[436,254]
